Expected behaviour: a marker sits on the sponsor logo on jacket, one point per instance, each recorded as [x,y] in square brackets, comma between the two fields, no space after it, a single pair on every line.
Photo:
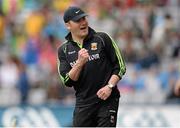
[91,58]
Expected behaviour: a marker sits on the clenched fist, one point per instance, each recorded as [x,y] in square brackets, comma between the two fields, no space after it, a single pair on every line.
[83,56]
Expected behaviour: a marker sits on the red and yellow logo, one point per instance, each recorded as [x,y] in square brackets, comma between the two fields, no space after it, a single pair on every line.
[93,46]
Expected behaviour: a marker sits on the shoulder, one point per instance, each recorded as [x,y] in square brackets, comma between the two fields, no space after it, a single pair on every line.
[63,46]
[104,35]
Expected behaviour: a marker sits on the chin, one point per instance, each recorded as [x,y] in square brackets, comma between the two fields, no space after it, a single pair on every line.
[84,33]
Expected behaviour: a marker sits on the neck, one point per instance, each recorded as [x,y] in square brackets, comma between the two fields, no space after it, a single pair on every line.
[78,39]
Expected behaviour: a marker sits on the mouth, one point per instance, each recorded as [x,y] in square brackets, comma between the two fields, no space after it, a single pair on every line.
[83,28]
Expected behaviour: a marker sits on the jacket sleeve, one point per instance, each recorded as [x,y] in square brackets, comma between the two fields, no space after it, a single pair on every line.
[114,55]
[64,67]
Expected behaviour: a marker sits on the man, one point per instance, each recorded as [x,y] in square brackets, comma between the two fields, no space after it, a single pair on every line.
[92,64]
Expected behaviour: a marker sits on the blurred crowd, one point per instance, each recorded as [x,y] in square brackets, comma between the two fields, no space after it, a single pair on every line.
[146,31]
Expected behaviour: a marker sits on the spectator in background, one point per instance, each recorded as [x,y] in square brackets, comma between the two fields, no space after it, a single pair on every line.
[34,24]
[9,94]
[2,26]
[23,83]
[177,88]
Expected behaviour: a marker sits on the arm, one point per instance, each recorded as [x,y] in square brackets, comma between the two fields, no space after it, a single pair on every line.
[77,67]
[114,80]
[115,57]
[114,54]
[118,64]
[69,75]
[105,91]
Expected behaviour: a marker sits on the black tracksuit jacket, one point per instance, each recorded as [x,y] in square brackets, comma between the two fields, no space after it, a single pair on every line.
[105,60]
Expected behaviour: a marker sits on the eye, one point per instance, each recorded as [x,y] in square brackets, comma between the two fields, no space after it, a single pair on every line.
[81,19]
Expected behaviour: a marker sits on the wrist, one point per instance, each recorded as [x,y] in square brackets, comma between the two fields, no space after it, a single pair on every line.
[111,86]
[78,64]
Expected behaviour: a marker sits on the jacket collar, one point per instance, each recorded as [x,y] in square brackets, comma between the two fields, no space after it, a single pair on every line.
[91,32]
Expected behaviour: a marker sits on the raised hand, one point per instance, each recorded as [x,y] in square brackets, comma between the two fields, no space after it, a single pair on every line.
[83,56]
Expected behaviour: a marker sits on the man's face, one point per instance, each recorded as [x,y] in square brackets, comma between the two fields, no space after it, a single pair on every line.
[79,28]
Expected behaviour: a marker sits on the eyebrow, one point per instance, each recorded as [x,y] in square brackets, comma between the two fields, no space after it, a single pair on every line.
[80,19]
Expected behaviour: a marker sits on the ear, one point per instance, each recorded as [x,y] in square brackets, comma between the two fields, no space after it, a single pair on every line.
[68,26]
